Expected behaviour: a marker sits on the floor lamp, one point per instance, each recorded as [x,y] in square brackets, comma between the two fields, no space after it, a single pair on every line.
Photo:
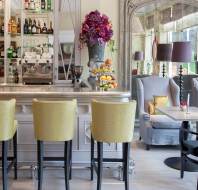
[139,56]
[164,54]
[182,53]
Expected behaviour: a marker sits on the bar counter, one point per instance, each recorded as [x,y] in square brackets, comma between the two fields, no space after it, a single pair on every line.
[81,143]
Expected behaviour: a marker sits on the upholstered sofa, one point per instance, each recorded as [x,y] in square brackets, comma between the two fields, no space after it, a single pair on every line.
[157,129]
[195,92]
[134,89]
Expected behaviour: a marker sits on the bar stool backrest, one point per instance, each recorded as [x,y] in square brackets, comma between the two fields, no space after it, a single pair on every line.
[113,122]
[54,120]
[7,119]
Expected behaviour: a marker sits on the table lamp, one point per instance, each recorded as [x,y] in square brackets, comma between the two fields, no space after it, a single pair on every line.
[164,54]
[138,56]
[182,53]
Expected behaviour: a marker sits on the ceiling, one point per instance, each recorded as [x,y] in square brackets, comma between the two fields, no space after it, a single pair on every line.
[163,4]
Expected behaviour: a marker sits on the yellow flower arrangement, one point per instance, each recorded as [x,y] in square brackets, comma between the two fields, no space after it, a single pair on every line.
[105,75]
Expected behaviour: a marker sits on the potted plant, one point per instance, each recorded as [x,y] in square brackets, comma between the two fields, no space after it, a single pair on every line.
[96,31]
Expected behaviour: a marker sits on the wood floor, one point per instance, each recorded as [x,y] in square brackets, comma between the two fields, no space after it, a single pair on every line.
[150,174]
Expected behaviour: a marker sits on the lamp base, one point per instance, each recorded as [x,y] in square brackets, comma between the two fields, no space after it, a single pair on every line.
[181,78]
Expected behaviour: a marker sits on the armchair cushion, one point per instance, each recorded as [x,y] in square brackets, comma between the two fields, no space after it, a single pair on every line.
[159,101]
[164,122]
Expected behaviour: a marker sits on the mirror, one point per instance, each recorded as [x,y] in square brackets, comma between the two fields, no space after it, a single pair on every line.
[68,29]
[165,21]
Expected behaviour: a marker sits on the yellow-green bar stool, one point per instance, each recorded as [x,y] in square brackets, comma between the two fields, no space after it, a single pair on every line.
[8,131]
[112,123]
[54,121]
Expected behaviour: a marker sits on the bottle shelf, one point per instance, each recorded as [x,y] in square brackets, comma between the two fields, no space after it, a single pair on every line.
[29,11]
[13,59]
[13,19]
[14,34]
[38,35]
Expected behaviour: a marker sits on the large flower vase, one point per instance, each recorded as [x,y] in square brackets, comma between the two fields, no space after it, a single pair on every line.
[96,52]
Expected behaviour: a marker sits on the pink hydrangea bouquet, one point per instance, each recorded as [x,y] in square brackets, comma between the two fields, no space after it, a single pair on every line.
[96,29]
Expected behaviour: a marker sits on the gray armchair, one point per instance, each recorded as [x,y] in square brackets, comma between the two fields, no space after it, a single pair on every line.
[157,129]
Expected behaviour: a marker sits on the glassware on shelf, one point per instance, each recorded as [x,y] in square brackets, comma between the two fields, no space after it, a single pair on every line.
[1,4]
[32,5]
[26,4]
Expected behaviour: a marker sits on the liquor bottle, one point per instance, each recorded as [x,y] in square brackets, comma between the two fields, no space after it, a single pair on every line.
[19,26]
[43,4]
[25,27]
[10,52]
[26,4]
[38,28]
[37,5]
[44,29]
[50,30]
[2,50]
[2,28]
[49,5]
[9,26]
[32,5]
[16,76]
[13,26]
[30,26]
[34,29]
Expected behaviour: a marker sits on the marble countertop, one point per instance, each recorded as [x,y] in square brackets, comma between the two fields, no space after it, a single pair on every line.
[60,91]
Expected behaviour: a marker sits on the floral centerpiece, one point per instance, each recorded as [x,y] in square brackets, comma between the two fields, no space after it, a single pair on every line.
[96,31]
[105,75]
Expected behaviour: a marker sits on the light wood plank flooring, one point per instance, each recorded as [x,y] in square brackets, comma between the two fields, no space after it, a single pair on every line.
[150,174]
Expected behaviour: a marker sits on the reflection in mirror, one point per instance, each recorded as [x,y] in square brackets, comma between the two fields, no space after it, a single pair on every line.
[164,22]
[67,30]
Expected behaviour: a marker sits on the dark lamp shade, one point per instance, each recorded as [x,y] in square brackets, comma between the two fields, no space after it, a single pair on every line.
[139,56]
[164,52]
[182,52]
